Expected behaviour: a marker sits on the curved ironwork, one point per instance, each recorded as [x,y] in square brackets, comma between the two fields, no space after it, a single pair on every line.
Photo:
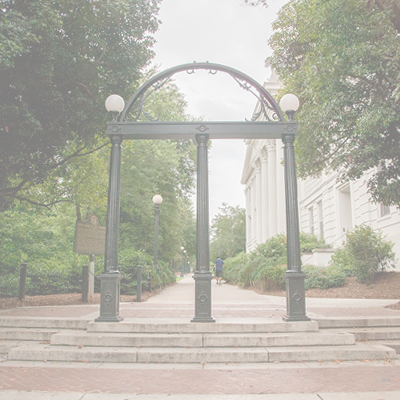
[134,109]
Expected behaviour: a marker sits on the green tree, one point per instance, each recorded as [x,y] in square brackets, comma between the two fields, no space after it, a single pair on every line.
[341,57]
[59,60]
[35,235]
[149,168]
[228,232]
[165,167]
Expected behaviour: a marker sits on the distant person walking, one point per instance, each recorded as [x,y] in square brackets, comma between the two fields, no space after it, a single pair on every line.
[218,269]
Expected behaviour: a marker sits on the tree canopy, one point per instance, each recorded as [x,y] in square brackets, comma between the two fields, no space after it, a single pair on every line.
[44,237]
[341,57]
[228,232]
[59,60]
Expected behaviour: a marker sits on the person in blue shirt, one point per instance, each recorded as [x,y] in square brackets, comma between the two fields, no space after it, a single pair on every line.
[218,269]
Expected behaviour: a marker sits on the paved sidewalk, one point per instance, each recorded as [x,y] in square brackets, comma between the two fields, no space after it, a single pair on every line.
[281,381]
[228,302]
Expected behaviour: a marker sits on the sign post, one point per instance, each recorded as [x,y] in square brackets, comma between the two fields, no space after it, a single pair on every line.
[90,239]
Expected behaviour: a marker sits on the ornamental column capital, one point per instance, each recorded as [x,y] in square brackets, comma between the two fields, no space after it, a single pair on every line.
[264,154]
[257,165]
[270,145]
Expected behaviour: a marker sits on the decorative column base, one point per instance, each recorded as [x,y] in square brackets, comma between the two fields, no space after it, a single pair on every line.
[203,297]
[295,297]
[109,300]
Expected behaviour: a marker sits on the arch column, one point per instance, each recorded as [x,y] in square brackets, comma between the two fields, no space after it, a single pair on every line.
[203,275]
[295,292]
[110,278]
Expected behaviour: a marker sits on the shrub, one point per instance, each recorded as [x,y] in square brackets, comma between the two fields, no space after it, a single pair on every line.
[365,253]
[265,266]
[269,276]
[309,242]
[323,278]
[9,285]
[233,266]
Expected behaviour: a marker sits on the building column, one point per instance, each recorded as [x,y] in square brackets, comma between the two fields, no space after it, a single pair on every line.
[259,217]
[280,189]
[272,192]
[248,217]
[264,195]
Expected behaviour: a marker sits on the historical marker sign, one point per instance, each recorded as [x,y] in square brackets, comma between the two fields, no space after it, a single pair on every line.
[90,237]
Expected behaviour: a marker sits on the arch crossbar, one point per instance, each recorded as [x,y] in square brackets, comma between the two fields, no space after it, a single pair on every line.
[135,123]
[134,109]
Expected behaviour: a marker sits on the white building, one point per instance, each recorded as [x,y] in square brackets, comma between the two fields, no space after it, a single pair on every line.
[327,208]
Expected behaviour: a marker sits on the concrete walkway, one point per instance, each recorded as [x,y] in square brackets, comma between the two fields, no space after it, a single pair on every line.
[183,293]
[366,380]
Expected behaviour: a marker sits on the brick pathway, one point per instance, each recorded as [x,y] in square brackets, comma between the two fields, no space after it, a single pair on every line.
[235,381]
[343,377]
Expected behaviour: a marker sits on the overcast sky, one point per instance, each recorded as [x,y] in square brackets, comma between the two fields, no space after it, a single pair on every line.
[224,32]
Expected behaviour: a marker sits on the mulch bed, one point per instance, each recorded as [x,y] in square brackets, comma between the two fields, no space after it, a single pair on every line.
[68,299]
[385,286]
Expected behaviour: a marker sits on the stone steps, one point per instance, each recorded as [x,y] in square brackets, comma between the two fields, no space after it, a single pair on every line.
[376,333]
[26,334]
[389,336]
[7,345]
[38,322]
[184,327]
[202,339]
[357,322]
[14,330]
[201,355]
[177,341]
[393,344]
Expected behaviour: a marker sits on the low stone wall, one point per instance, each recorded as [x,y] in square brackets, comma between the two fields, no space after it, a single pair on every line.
[319,257]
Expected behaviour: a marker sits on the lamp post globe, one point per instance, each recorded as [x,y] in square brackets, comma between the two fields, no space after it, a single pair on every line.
[289,102]
[157,199]
[114,103]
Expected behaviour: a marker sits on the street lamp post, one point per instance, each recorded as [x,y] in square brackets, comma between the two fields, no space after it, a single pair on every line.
[110,278]
[182,265]
[295,291]
[157,200]
[185,261]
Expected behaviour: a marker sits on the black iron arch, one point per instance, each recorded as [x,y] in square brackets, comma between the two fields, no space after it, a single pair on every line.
[135,107]
[274,126]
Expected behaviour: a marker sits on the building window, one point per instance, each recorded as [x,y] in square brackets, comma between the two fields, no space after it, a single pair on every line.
[311,219]
[345,210]
[249,223]
[384,210]
[321,220]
